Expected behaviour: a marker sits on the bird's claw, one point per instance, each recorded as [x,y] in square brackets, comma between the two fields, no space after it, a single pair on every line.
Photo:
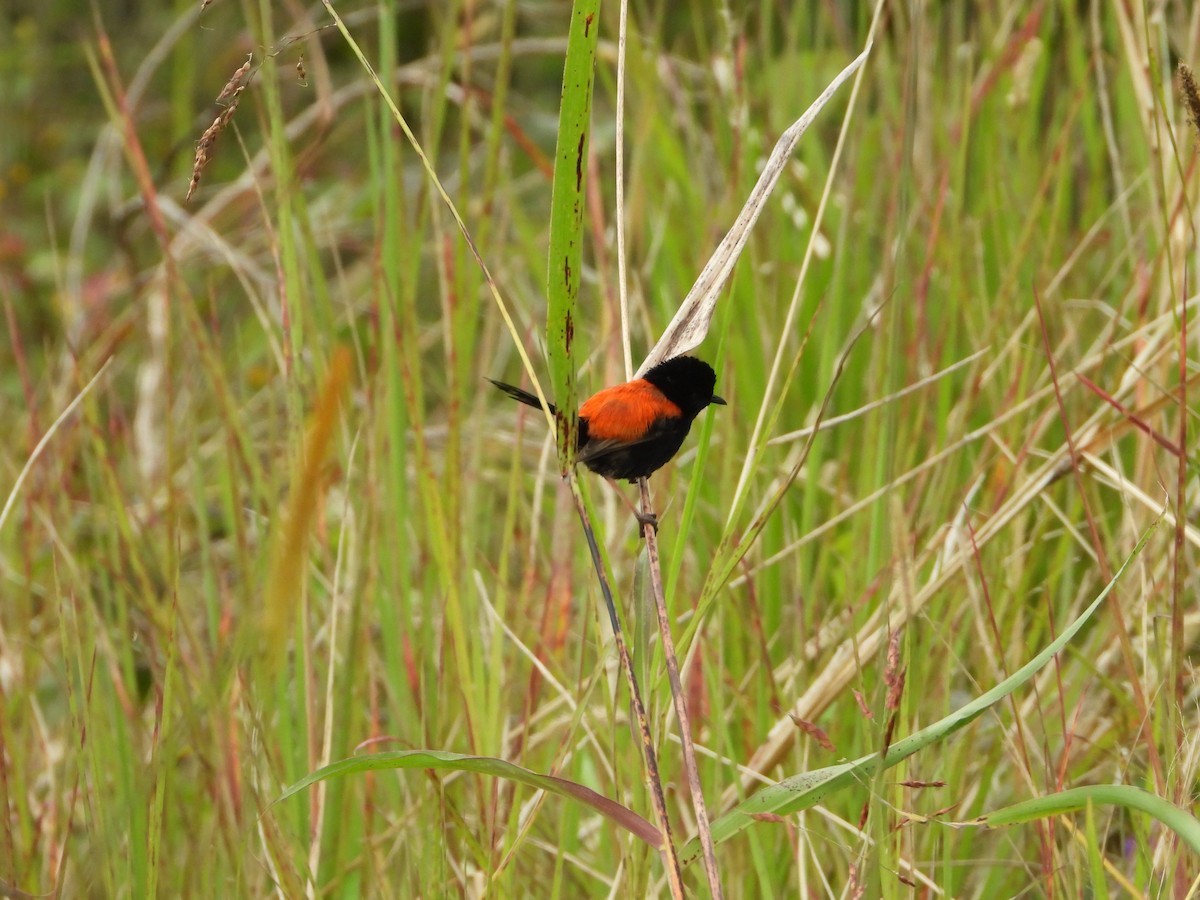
[648,518]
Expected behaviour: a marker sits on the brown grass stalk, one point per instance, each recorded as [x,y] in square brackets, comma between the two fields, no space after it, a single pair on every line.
[649,532]
[1122,629]
[657,797]
[1191,98]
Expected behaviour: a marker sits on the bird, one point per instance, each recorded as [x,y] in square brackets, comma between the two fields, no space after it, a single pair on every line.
[630,430]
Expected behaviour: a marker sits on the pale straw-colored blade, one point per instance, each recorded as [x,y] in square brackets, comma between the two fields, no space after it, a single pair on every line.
[691,322]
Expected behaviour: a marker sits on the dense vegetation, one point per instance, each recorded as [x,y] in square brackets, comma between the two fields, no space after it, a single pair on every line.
[263,512]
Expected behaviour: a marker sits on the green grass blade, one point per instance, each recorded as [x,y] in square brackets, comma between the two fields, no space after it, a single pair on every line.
[1095,859]
[483,765]
[565,264]
[1127,796]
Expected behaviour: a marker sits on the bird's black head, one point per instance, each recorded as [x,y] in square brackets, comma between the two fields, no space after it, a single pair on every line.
[687,382]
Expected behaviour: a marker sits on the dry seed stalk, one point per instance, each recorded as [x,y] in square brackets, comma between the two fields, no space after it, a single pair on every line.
[1191,95]
[230,95]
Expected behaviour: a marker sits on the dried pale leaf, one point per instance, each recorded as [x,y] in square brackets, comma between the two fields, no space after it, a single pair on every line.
[690,325]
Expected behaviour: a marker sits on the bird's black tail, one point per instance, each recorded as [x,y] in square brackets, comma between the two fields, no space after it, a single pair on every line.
[521,395]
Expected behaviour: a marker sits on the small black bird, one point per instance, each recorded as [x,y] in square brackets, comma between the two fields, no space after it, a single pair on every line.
[631,429]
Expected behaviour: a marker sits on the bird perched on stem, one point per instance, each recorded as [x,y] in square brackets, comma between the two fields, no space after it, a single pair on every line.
[630,430]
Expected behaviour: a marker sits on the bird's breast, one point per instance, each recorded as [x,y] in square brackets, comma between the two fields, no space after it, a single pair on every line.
[627,411]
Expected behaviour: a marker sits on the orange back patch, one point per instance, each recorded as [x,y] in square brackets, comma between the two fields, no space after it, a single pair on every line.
[625,412]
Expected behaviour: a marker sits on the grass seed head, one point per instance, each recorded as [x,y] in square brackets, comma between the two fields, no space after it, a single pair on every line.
[230,95]
[1191,95]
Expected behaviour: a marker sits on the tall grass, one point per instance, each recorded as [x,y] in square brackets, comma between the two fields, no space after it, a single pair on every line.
[204,603]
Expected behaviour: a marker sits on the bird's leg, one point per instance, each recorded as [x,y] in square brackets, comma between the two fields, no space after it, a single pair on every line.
[644,518]
[646,515]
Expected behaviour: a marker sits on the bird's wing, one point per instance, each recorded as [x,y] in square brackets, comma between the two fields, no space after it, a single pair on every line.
[599,447]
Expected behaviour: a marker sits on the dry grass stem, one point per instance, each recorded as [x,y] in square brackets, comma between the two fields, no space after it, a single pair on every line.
[649,756]
[650,535]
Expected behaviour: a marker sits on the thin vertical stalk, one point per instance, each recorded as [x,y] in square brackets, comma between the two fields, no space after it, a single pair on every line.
[622,277]
[657,797]
[681,713]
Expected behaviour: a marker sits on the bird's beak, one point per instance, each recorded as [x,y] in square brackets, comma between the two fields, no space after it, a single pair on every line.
[720,401]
